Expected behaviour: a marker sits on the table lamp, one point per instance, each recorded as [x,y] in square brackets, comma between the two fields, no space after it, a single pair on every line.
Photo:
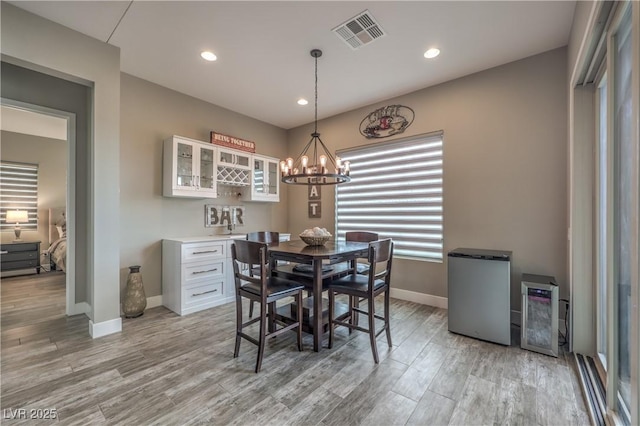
[17,217]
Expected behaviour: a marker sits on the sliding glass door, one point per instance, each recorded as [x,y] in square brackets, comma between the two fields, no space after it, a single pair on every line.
[624,215]
[616,212]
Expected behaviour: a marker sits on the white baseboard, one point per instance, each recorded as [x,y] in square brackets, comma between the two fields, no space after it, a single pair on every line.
[154,301]
[422,298]
[105,328]
[80,308]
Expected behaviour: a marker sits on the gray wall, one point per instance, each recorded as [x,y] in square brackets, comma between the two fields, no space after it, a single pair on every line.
[33,87]
[51,157]
[149,114]
[505,162]
[42,45]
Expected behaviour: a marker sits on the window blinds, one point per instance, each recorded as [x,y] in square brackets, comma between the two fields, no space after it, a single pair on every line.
[396,191]
[19,191]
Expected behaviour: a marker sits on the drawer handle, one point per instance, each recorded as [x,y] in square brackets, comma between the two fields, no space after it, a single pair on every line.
[4,252]
[204,292]
[204,272]
[205,251]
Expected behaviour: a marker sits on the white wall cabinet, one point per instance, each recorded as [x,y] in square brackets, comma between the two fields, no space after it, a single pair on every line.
[265,179]
[193,168]
[196,274]
[189,169]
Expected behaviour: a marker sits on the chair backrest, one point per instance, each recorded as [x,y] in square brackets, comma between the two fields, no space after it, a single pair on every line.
[361,236]
[264,236]
[380,251]
[249,253]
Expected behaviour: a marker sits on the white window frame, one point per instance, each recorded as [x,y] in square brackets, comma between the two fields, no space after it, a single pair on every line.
[397,191]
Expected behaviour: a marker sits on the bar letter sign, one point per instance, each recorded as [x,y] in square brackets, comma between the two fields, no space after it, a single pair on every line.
[232,142]
[315,205]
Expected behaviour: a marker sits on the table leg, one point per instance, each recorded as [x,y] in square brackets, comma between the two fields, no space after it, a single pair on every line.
[317,304]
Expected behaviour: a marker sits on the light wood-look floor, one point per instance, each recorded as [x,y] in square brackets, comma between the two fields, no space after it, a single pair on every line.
[168,370]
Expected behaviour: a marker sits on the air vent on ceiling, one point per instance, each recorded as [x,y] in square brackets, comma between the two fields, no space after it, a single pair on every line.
[360,30]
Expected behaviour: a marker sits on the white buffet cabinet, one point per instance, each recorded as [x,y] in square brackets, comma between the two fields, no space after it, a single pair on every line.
[197,272]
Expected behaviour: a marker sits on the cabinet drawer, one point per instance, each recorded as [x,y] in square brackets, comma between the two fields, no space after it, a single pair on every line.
[19,255]
[20,247]
[204,251]
[202,293]
[19,264]
[198,271]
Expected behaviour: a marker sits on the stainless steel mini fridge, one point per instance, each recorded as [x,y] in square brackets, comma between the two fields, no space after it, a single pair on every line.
[479,294]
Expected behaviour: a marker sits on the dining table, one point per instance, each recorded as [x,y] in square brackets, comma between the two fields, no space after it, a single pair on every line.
[323,262]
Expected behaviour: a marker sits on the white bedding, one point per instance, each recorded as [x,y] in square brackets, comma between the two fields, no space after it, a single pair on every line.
[58,253]
[58,237]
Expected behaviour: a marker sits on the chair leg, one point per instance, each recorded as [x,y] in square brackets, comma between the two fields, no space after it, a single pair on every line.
[271,316]
[299,302]
[372,329]
[262,338]
[352,319]
[251,302]
[238,324]
[356,303]
[331,313]
[386,316]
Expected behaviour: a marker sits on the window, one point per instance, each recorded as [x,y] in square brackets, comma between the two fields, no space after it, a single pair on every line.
[396,191]
[19,191]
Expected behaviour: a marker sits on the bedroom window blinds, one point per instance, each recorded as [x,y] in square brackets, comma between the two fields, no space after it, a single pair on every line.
[396,191]
[19,191]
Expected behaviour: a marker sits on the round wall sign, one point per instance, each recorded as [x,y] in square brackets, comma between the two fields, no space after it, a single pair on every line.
[386,121]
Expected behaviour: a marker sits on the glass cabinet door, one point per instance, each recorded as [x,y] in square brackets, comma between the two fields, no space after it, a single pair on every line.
[272,180]
[234,158]
[207,172]
[243,160]
[184,159]
[259,178]
[225,157]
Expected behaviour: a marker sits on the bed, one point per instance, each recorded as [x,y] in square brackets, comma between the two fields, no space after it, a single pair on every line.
[58,238]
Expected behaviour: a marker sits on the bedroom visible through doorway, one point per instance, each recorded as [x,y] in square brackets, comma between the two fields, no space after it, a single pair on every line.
[33,134]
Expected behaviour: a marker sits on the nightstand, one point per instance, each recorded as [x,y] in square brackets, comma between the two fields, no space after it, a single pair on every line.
[20,255]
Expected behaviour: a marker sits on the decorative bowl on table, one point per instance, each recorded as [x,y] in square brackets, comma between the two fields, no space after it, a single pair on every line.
[315,241]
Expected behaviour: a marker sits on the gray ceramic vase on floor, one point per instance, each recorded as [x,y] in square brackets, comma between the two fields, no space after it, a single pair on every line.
[134,298]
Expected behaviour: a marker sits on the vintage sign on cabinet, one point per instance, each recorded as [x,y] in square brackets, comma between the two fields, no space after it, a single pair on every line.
[189,168]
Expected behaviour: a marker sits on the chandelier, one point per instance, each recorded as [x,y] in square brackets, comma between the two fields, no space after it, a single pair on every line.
[315,165]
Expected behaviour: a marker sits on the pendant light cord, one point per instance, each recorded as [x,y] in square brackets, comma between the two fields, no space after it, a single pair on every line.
[315,129]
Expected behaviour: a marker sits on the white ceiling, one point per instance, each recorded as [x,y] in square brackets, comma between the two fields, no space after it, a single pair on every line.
[264,65]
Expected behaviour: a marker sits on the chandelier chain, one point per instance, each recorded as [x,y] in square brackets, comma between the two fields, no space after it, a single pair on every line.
[315,128]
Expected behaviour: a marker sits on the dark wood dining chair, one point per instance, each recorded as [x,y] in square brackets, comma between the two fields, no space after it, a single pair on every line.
[366,287]
[361,237]
[362,268]
[261,237]
[265,290]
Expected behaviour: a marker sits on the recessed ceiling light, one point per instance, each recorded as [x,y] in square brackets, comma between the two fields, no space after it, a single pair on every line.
[431,53]
[209,56]
[302,101]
